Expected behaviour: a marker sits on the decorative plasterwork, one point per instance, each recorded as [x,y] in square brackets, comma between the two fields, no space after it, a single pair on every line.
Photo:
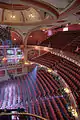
[24,17]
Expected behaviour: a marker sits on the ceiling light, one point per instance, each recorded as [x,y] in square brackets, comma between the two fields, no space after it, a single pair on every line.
[14,38]
[43,30]
[30,35]
[12,16]
[31,15]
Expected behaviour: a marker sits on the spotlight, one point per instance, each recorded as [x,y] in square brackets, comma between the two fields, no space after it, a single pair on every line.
[14,16]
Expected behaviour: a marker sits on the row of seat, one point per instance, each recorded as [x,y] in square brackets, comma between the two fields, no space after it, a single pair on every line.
[67,70]
[26,87]
[50,61]
[38,95]
[51,108]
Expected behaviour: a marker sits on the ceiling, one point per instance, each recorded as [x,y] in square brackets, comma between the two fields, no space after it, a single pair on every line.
[39,12]
[56,3]
[27,16]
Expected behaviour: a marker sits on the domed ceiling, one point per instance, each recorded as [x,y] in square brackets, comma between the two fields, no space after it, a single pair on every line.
[29,12]
[22,14]
[17,16]
[29,15]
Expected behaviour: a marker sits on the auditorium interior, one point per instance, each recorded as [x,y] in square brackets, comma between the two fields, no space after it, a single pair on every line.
[39,59]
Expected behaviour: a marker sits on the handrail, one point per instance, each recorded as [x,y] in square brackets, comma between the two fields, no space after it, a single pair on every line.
[23,113]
